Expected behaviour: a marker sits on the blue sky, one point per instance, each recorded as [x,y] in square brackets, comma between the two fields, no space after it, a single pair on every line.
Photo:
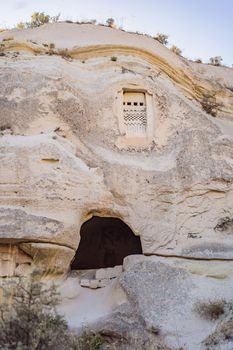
[200,28]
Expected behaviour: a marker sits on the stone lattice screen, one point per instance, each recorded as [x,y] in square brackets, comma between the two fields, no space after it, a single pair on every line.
[134,113]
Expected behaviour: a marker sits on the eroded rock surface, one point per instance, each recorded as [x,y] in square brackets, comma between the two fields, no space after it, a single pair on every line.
[154,303]
[162,296]
[60,155]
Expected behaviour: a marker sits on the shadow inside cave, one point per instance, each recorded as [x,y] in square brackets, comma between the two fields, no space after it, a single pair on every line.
[105,242]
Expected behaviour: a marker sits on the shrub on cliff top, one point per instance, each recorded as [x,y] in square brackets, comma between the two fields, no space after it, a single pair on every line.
[110,22]
[38,19]
[216,61]
[176,50]
[162,38]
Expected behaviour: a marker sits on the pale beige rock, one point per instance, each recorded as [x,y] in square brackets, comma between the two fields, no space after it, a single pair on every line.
[109,272]
[49,258]
[117,270]
[64,154]
[89,304]
[100,273]
[23,270]
[164,291]
[93,284]
[103,282]
[69,288]
[12,261]
[85,283]
[7,268]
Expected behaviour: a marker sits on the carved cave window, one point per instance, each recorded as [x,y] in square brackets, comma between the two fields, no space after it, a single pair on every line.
[135,114]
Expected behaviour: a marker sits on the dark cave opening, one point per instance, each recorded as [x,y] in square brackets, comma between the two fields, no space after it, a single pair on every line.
[105,242]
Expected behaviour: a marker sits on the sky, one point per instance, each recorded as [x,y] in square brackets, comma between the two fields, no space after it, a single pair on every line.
[200,28]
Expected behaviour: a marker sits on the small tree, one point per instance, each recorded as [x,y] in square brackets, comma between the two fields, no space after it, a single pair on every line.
[55,19]
[216,61]
[110,22]
[176,50]
[20,25]
[29,321]
[38,19]
[162,38]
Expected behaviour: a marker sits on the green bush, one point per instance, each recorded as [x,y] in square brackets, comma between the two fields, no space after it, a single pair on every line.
[113,58]
[89,340]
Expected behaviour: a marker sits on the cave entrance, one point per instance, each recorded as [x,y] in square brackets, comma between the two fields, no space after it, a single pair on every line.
[105,242]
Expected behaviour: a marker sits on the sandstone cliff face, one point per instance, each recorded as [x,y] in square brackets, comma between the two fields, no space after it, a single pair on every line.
[60,155]
[65,157]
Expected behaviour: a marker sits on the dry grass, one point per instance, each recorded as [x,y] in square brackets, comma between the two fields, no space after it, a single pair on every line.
[210,310]
[210,105]
[64,53]
[2,46]
[222,335]
[51,46]
[5,127]
[224,224]
[8,38]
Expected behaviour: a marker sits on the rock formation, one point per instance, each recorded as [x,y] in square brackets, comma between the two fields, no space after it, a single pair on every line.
[96,121]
